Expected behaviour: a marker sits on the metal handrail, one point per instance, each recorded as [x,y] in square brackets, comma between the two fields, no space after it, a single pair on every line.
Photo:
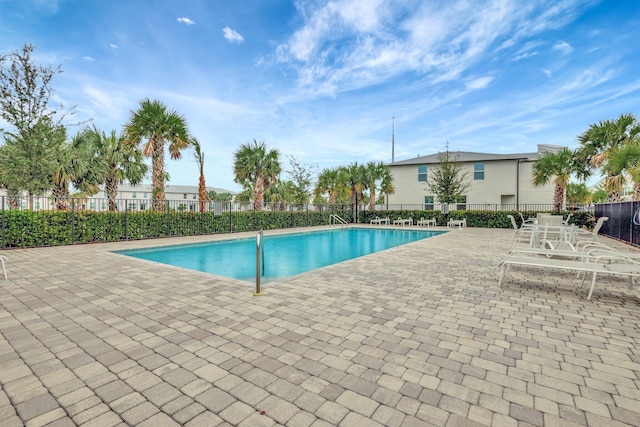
[259,261]
[335,219]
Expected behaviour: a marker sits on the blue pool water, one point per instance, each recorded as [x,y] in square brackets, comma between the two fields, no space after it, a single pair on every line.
[284,255]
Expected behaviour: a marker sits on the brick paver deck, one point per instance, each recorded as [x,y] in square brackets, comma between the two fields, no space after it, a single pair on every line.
[415,335]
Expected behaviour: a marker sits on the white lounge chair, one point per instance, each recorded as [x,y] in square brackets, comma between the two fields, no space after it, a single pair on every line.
[603,263]
[4,268]
[379,221]
[580,235]
[426,222]
[403,221]
[460,223]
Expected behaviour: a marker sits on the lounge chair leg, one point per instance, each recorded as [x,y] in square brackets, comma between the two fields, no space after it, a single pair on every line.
[593,282]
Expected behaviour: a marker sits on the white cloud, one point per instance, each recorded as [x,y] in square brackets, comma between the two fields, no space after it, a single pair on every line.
[479,83]
[563,47]
[113,46]
[232,36]
[546,72]
[88,58]
[186,21]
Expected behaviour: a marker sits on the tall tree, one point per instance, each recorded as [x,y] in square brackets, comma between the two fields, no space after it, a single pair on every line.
[557,166]
[447,180]
[301,181]
[153,122]
[202,186]
[377,177]
[115,162]
[601,141]
[332,181]
[26,93]
[35,132]
[256,167]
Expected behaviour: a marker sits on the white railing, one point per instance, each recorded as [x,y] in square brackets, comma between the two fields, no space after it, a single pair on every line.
[337,219]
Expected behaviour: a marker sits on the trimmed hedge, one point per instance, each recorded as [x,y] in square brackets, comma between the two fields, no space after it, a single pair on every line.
[24,228]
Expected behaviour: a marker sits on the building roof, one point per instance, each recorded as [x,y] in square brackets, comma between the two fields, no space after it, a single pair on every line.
[466,156]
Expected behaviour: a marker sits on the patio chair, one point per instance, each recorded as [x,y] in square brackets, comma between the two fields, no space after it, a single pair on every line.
[4,268]
[523,233]
[426,222]
[604,262]
[403,221]
[460,223]
[580,235]
[528,221]
[379,221]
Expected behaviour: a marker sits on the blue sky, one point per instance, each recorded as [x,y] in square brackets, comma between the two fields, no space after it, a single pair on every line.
[321,80]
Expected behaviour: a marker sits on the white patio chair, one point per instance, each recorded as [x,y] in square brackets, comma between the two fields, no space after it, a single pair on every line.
[4,268]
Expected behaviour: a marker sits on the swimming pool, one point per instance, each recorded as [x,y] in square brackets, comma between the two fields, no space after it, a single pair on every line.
[285,255]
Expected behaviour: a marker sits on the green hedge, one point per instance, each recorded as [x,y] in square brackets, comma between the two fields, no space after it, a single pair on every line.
[23,228]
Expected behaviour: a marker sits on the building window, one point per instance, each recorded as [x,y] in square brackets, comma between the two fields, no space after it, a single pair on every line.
[422,173]
[478,171]
[428,203]
[461,203]
[144,195]
[184,196]
[134,195]
[195,196]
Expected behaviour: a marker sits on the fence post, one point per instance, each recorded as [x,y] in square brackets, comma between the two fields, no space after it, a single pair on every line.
[168,218]
[126,220]
[73,221]
[2,227]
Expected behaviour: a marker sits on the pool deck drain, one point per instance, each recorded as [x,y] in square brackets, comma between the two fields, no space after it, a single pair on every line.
[419,334]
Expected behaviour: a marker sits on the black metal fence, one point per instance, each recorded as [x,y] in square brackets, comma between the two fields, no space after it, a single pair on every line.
[624,220]
[46,221]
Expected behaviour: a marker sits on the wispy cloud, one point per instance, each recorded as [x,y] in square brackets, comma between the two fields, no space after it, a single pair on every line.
[563,47]
[232,36]
[88,58]
[344,45]
[113,46]
[186,21]
[479,83]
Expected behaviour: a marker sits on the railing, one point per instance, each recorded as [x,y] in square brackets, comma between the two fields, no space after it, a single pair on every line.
[259,261]
[337,219]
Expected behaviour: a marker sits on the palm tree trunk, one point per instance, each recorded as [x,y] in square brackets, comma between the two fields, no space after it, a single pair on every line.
[60,195]
[258,193]
[111,188]
[636,191]
[558,197]
[158,175]
[372,200]
[202,192]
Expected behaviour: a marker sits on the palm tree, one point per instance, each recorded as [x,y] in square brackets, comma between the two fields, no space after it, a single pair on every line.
[117,162]
[332,181]
[202,186]
[153,122]
[355,178]
[557,166]
[626,159]
[377,177]
[600,142]
[256,167]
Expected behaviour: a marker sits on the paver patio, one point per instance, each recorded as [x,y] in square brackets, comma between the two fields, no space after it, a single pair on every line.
[415,335]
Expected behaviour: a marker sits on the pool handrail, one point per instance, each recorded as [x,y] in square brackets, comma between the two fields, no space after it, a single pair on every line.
[259,261]
[337,219]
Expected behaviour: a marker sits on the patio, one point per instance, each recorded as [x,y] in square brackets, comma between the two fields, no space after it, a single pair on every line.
[416,335]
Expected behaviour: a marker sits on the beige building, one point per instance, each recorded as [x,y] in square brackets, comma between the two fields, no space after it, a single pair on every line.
[496,181]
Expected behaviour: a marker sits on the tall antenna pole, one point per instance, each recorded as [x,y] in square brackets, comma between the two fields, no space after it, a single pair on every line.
[393,138]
